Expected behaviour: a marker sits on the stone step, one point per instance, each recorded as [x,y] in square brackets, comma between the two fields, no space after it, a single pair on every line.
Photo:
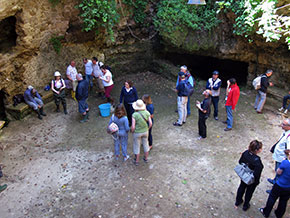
[22,110]
[2,124]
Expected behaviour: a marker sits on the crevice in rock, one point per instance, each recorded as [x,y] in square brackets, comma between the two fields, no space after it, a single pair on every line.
[8,34]
[2,107]
[203,66]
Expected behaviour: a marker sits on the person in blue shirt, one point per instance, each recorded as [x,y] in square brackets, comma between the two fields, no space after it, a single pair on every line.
[121,137]
[129,95]
[150,108]
[281,190]
[214,84]
[182,97]
[190,79]
[82,94]
[34,100]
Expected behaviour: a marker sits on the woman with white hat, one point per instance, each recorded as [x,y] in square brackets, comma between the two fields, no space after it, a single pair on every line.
[58,86]
[141,122]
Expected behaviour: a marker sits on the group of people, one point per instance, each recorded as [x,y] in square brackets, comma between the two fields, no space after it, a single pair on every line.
[211,95]
[281,182]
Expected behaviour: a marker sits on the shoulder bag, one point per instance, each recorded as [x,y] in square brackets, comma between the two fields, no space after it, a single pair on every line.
[245,173]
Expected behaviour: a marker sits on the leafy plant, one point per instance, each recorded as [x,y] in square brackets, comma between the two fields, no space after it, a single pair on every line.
[98,14]
[139,7]
[256,16]
[174,15]
[56,43]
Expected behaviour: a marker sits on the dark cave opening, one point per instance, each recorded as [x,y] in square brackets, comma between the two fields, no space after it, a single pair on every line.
[201,67]
[8,34]
[2,107]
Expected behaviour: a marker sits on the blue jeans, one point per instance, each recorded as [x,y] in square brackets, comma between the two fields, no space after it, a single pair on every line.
[89,78]
[33,105]
[188,105]
[215,102]
[260,101]
[277,164]
[285,102]
[123,142]
[230,119]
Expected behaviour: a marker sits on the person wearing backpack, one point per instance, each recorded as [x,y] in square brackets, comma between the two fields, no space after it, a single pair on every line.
[57,87]
[121,138]
[262,92]
[190,81]
[214,84]
[182,97]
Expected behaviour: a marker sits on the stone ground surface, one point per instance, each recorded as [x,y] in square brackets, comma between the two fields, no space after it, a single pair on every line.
[58,167]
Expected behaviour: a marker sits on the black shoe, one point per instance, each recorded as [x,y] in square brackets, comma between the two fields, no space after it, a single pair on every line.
[224,122]
[238,203]
[246,207]
[176,111]
[227,129]
[262,211]
[57,109]
[42,112]
[176,124]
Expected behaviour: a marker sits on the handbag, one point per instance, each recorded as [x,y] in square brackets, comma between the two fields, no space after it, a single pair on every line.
[245,173]
[113,127]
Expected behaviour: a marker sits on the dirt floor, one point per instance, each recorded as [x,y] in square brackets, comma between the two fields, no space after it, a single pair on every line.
[59,167]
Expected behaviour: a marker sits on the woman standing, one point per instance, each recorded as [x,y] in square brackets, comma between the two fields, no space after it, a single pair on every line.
[281,190]
[254,162]
[107,81]
[139,129]
[150,108]
[121,138]
[129,94]
[58,86]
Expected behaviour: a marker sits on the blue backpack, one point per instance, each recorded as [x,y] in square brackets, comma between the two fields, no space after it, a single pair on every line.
[188,88]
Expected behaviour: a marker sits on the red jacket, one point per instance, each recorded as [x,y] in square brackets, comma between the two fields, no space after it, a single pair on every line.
[233,96]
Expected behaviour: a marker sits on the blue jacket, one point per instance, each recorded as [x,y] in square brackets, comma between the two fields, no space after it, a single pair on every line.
[129,97]
[82,91]
[181,89]
[28,96]
[122,123]
[189,78]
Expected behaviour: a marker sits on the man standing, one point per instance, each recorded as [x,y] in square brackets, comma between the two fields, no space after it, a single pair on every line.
[71,74]
[281,145]
[89,71]
[97,73]
[203,113]
[188,78]
[262,92]
[214,84]
[33,99]
[233,94]
[82,94]
[181,100]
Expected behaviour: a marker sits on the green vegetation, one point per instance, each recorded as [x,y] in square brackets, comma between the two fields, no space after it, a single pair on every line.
[98,14]
[138,8]
[54,2]
[56,43]
[261,17]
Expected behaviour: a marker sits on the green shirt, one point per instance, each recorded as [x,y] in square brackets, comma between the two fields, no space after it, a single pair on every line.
[140,124]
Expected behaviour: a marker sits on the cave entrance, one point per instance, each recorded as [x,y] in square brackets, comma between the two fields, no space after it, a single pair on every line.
[8,34]
[203,66]
[2,107]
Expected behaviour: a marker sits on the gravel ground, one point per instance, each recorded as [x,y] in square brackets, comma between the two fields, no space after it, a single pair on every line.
[59,167]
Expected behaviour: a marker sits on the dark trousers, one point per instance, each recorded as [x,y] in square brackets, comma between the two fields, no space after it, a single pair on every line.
[283,195]
[202,126]
[215,102]
[150,138]
[130,111]
[285,102]
[249,189]
[59,98]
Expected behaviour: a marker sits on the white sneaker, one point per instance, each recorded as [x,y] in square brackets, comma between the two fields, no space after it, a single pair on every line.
[286,111]
[281,109]
[126,158]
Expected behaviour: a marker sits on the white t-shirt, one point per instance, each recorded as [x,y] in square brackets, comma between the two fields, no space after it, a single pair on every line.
[72,72]
[108,73]
[89,67]
[284,143]
[97,70]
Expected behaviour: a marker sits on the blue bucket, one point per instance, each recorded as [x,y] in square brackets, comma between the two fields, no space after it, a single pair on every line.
[105,109]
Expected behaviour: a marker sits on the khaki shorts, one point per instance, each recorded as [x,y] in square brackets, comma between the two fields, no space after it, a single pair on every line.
[139,138]
[74,85]
[100,84]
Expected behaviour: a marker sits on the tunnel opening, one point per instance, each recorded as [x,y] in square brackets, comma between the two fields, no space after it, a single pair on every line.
[8,34]
[201,67]
[3,115]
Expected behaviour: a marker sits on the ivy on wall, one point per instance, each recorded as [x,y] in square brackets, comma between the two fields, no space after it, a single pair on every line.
[56,43]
